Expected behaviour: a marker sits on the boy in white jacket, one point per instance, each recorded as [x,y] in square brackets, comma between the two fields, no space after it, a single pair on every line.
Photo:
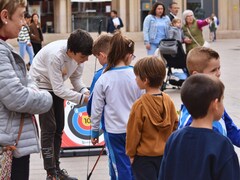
[54,64]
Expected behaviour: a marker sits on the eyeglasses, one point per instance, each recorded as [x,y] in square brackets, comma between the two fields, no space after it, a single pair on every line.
[133,57]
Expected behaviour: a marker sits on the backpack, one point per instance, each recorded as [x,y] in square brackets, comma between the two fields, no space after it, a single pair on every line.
[218,22]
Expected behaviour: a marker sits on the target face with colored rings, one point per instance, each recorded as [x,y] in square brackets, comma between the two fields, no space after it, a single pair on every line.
[77,130]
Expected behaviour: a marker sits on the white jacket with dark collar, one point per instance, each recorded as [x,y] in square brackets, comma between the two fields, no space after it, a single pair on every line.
[52,66]
[19,95]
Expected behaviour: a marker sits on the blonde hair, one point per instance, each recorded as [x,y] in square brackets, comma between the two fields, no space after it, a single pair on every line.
[199,57]
[175,20]
[11,6]
[185,14]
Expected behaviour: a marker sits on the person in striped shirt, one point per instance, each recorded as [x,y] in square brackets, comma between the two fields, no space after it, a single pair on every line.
[24,40]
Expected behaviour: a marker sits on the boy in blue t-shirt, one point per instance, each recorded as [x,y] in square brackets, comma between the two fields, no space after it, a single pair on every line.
[197,152]
[207,61]
[100,49]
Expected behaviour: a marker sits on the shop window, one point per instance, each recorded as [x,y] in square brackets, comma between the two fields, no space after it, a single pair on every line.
[88,16]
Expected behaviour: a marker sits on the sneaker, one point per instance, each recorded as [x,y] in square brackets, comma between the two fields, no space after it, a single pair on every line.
[63,175]
[52,177]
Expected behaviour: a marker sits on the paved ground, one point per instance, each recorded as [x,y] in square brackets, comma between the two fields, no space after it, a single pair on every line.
[230,63]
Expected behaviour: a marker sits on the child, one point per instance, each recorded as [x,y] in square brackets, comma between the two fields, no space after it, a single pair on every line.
[152,120]
[55,63]
[115,92]
[100,49]
[175,31]
[197,152]
[212,29]
[207,61]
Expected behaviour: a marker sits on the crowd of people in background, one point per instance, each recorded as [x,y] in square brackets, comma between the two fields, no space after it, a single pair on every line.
[157,26]
[144,136]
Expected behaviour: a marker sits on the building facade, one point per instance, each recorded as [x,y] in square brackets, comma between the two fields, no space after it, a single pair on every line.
[63,16]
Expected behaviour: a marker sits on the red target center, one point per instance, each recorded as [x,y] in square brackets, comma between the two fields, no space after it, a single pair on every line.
[84,121]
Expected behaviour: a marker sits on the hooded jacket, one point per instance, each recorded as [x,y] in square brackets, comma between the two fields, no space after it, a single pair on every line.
[19,94]
[152,120]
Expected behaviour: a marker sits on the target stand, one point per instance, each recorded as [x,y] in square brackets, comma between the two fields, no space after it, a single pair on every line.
[76,138]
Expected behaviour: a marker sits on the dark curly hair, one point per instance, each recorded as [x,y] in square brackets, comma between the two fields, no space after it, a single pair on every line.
[80,41]
[154,7]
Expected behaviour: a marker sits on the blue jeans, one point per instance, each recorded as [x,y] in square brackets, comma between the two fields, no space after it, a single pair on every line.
[24,47]
[152,50]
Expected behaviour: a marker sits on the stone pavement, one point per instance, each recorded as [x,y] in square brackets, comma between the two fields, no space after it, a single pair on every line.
[229,50]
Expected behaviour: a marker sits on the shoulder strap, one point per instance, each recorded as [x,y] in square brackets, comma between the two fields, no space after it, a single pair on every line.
[20,128]
[192,37]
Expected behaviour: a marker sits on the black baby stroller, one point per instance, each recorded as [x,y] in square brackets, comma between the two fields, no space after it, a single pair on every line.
[175,58]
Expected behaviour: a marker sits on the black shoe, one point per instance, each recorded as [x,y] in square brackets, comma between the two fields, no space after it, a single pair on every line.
[52,177]
[63,175]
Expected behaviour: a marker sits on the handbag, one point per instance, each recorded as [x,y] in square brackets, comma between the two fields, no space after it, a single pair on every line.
[168,46]
[6,155]
[206,44]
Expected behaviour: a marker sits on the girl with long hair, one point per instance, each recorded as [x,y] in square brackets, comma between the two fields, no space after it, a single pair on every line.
[113,95]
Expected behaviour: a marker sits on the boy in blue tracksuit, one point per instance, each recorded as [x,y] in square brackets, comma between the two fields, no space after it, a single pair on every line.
[100,49]
[207,61]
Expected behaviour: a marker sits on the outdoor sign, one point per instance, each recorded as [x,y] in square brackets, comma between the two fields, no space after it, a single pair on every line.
[77,129]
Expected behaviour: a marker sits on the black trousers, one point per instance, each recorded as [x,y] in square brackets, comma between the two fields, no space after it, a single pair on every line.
[52,124]
[146,167]
[36,47]
[20,168]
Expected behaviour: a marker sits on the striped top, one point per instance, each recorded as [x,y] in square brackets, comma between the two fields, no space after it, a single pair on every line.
[23,35]
[185,119]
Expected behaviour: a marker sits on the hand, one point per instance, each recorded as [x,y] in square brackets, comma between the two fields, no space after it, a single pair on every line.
[86,98]
[131,160]
[187,40]
[94,141]
[208,20]
[115,25]
[148,46]
[87,93]
[29,44]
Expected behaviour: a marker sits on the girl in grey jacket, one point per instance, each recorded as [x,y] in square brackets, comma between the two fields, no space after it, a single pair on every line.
[175,31]
[18,95]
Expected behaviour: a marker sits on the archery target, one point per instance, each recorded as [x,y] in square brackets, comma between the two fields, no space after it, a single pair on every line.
[77,129]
